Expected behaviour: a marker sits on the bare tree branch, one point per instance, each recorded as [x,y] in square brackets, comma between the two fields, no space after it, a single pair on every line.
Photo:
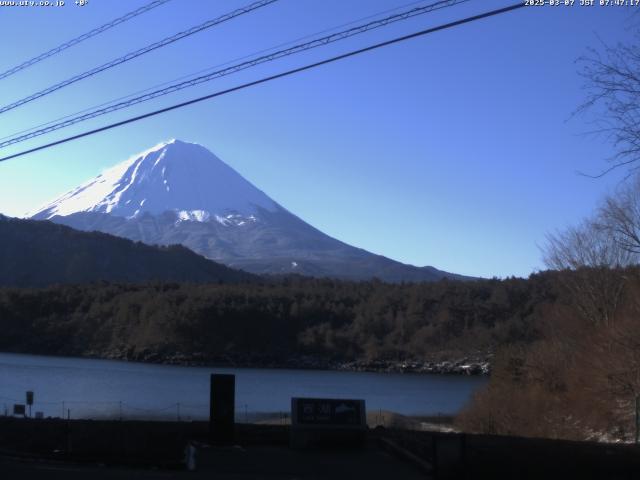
[611,77]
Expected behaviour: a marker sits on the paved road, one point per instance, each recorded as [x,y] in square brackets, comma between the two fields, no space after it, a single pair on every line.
[18,470]
[273,463]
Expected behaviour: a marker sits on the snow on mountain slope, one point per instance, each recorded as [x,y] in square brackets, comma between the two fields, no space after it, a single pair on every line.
[173,176]
[180,193]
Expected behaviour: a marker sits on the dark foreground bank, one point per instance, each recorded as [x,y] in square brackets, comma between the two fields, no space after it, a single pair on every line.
[121,449]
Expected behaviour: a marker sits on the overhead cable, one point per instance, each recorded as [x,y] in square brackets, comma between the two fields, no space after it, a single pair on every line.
[270,78]
[318,42]
[83,37]
[130,56]
[208,69]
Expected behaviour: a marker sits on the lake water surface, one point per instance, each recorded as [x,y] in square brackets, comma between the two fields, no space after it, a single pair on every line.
[88,388]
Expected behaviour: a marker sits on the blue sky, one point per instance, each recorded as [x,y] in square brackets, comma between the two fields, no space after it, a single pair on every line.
[456,150]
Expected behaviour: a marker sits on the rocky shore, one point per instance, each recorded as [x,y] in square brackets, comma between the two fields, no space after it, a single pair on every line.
[456,367]
[476,365]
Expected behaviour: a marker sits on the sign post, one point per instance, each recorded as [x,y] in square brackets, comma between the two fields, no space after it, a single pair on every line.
[327,421]
[222,409]
[638,420]
[30,401]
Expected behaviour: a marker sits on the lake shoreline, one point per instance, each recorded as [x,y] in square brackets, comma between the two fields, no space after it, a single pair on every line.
[472,365]
[461,366]
[99,387]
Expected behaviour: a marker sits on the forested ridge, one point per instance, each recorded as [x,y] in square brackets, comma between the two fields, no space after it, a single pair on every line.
[41,253]
[274,321]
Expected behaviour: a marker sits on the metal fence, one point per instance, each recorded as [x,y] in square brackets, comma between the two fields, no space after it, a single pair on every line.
[189,412]
[120,410]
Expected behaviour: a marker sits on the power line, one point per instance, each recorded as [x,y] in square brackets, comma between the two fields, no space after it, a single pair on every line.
[272,77]
[200,72]
[318,42]
[83,37]
[130,56]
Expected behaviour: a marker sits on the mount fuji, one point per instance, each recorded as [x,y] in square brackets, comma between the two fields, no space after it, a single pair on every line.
[181,193]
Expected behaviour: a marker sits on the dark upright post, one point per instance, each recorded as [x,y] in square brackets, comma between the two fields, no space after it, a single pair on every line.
[638,420]
[222,408]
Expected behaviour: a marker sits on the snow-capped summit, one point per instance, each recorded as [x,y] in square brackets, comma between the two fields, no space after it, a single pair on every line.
[177,176]
[181,193]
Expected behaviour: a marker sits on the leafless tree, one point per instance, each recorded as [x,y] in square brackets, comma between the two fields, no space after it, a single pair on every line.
[612,84]
[619,217]
[595,263]
[589,245]
[596,255]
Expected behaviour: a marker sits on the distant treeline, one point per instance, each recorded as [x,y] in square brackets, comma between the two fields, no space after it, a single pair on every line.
[277,320]
[564,345]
